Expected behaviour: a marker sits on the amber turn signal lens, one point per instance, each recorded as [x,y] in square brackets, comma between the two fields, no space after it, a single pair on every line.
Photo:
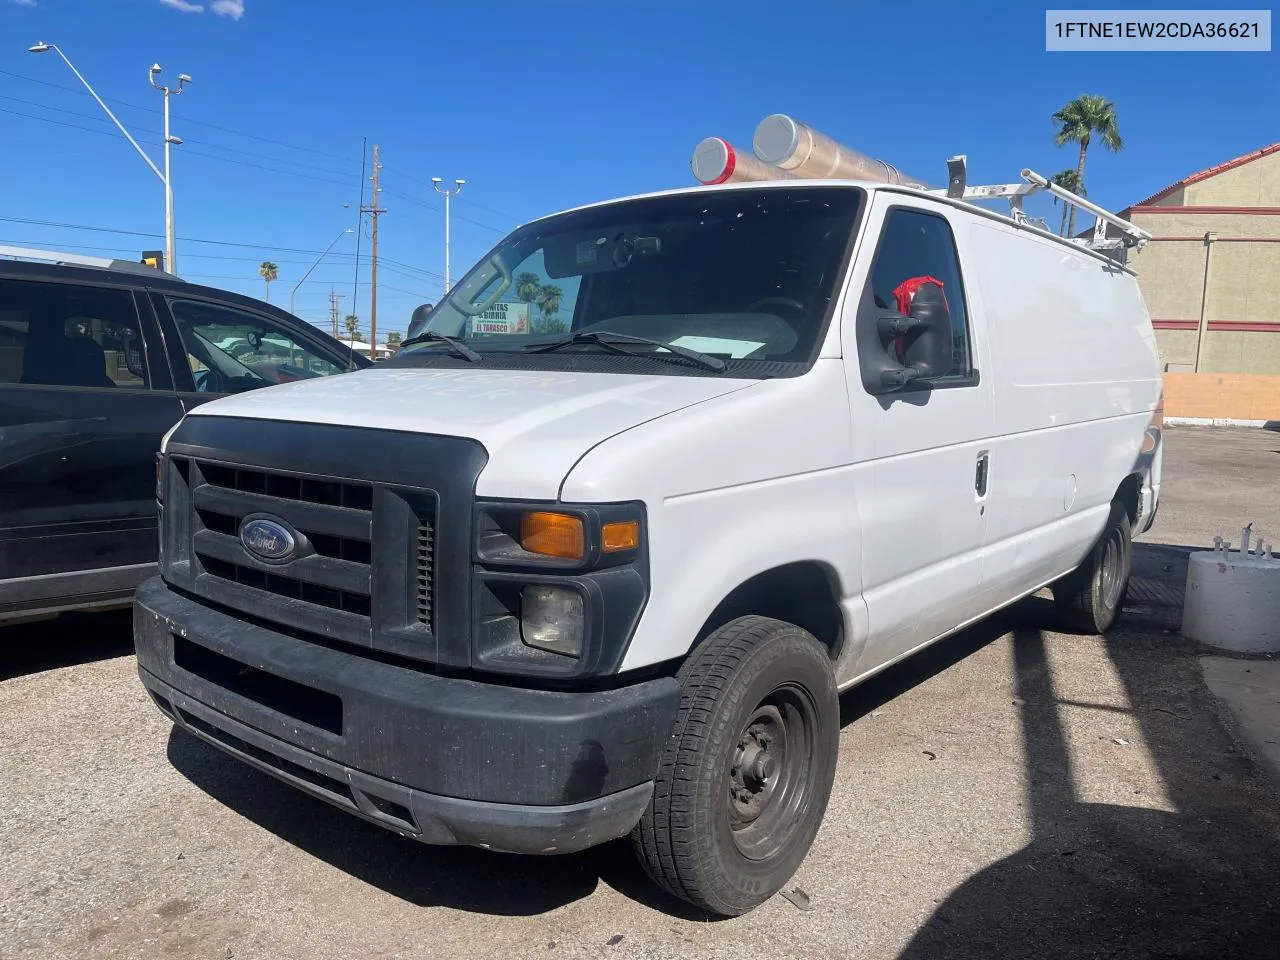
[553,535]
[620,536]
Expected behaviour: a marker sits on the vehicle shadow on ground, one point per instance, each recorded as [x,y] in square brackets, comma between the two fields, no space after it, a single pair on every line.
[66,641]
[1097,880]
[477,880]
[1100,880]
[463,878]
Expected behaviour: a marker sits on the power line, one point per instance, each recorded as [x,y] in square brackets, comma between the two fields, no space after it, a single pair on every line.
[157,134]
[355,276]
[436,206]
[248,258]
[200,123]
[479,206]
[384,263]
[186,152]
[143,233]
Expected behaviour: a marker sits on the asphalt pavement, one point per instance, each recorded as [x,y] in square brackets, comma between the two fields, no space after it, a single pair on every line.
[1011,792]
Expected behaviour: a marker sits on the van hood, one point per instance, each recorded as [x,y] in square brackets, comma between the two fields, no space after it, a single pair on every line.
[535,425]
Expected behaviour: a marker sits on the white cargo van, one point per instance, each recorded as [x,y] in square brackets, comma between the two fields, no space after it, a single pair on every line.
[535,591]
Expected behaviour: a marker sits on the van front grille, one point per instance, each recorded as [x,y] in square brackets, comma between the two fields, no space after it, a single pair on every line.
[326,586]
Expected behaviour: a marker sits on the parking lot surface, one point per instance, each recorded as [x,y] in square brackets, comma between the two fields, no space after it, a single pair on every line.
[1012,792]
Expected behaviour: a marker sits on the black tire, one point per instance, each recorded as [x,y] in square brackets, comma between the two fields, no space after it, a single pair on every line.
[1089,599]
[745,778]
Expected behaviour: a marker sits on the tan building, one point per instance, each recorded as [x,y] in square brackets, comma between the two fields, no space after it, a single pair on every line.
[1211,274]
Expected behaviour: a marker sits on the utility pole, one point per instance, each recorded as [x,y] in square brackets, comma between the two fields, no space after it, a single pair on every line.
[448,195]
[374,211]
[334,297]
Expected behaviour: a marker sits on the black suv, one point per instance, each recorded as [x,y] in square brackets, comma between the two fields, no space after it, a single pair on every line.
[98,359]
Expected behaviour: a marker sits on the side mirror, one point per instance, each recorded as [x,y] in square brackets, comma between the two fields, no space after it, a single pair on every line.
[925,335]
[418,322]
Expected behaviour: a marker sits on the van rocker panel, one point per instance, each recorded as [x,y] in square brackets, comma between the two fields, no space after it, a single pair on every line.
[443,737]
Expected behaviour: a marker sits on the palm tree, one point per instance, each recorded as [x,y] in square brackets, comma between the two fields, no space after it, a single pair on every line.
[268,272]
[352,323]
[527,287]
[1077,122]
[1068,180]
[549,297]
[393,340]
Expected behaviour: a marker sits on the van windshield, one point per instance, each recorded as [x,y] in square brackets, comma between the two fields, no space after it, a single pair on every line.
[746,276]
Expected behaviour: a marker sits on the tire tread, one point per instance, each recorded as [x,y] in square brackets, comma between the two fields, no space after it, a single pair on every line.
[665,840]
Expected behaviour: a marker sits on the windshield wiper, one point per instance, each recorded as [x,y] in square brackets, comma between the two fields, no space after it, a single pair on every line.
[610,340]
[460,348]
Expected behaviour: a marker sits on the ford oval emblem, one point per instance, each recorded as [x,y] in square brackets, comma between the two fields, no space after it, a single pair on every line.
[268,540]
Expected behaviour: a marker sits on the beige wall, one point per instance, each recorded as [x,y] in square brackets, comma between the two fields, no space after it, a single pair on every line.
[1252,184]
[1225,351]
[1244,277]
[1179,346]
[1175,199]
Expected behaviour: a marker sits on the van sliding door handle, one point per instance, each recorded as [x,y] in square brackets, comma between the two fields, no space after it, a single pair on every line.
[980,476]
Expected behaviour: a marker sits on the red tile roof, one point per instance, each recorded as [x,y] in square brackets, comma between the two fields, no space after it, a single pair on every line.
[1206,174]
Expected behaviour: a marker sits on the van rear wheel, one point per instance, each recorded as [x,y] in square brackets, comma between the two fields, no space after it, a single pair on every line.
[1089,598]
[744,781]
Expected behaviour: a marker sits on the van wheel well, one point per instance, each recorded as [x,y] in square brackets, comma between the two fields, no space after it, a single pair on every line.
[805,594]
[1128,495]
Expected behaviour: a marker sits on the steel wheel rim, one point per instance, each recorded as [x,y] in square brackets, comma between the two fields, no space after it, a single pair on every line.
[1112,580]
[770,772]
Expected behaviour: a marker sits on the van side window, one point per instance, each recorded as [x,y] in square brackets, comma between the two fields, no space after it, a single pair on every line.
[62,335]
[915,247]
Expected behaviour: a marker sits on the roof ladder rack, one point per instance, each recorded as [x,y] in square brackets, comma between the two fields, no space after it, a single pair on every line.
[958,189]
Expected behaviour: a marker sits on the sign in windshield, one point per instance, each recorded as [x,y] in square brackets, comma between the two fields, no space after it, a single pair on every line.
[510,318]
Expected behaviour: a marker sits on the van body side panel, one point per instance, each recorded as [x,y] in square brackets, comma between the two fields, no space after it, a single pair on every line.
[1076,375]
[735,486]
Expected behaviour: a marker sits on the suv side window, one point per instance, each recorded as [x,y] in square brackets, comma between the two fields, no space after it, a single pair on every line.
[230,350]
[57,334]
[913,245]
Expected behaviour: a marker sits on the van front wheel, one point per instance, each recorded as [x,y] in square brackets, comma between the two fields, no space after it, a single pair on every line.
[745,779]
[1089,598]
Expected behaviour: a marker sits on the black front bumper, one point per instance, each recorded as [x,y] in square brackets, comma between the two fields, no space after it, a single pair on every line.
[443,760]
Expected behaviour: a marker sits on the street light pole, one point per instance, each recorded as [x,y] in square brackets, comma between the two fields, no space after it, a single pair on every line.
[170,238]
[170,245]
[313,266]
[448,194]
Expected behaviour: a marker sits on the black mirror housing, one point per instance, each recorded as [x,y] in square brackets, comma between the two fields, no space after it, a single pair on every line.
[927,348]
[925,334]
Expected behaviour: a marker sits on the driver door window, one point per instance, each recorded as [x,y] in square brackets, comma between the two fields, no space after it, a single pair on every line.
[919,246]
[231,351]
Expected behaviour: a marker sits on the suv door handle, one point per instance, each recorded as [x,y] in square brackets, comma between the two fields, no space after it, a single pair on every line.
[980,475]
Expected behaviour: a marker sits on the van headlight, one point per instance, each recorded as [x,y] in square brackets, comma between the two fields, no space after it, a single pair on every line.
[552,619]
[558,588]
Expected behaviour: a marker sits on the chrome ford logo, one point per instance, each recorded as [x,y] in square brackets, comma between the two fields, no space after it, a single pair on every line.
[268,540]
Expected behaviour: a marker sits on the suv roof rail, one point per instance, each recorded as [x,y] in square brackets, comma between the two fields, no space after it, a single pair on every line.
[81,260]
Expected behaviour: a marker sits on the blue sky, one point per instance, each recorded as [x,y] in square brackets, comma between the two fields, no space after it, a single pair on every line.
[539,106]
